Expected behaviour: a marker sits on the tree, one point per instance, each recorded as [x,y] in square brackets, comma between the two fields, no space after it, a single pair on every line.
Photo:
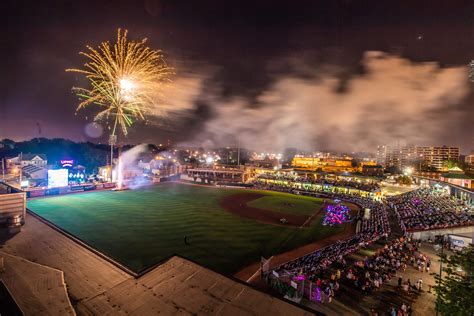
[406,180]
[455,290]
[451,163]
[392,170]
[8,143]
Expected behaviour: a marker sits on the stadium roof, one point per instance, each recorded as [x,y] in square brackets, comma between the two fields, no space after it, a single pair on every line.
[457,176]
[180,286]
[30,169]
[455,169]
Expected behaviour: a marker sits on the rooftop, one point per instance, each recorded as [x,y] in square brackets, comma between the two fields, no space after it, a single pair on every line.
[181,286]
[31,156]
[457,176]
[29,169]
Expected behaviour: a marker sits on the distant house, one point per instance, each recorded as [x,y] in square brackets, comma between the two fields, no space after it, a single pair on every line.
[38,160]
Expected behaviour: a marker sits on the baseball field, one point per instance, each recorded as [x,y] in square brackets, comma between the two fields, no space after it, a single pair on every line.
[223,229]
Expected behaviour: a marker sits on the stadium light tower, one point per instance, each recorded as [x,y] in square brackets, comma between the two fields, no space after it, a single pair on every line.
[238,151]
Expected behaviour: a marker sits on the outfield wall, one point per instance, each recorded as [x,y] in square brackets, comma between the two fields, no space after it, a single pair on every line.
[69,189]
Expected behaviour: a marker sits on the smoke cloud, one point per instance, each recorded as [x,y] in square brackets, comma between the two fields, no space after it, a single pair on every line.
[177,97]
[392,100]
[129,168]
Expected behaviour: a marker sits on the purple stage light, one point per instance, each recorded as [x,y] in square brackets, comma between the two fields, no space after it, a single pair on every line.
[336,214]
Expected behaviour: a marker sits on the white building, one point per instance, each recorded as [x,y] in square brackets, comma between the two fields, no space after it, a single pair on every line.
[22,160]
[417,156]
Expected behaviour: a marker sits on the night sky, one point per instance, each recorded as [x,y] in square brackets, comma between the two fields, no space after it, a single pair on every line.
[341,75]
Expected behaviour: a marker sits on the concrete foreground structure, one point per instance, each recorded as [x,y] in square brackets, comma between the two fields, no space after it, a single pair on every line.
[179,286]
[37,289]
[97,287]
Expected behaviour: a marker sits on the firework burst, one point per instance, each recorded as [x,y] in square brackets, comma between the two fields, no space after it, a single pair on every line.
[125,81]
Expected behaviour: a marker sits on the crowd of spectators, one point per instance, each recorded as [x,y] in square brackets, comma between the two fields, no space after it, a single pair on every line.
[372,228]
[327,268]
[369,274]
[366,275]
[304,180]
[313,265]
[296,187]
[425,209]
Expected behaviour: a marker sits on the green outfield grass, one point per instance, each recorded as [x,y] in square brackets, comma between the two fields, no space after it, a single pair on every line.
[286,203]
[138,228]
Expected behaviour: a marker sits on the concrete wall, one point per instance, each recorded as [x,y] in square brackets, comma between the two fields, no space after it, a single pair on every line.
[430,234]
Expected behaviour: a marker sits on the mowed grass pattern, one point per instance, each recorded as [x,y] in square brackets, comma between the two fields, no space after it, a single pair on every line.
[138,228]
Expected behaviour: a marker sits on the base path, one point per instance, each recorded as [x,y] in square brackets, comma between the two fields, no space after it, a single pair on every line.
[238,204]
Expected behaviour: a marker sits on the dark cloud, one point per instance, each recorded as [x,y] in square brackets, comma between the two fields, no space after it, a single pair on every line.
[393,100]
[233,56]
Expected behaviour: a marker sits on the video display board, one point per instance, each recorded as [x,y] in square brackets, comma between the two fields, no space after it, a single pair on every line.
[58,178]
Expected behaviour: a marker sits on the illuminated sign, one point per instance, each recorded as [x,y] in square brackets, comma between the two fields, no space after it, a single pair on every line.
[76,175]
[67,163]
[57,178]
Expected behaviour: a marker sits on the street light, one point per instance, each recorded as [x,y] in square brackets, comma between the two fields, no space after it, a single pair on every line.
[19,170]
